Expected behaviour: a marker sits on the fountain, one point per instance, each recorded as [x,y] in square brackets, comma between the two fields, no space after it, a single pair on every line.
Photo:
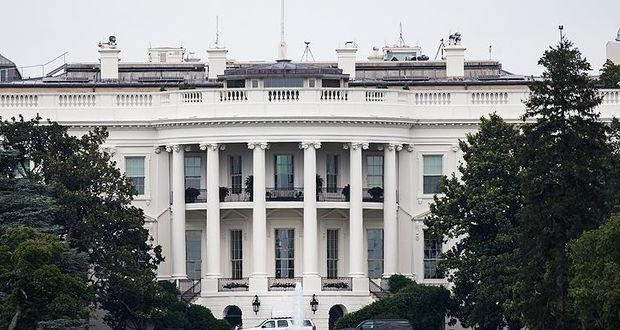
[298,316]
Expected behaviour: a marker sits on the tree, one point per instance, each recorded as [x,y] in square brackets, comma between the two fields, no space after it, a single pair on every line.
[36,280]
[610,75]
[594,282]
[480,211]
[567,165]
[94,214]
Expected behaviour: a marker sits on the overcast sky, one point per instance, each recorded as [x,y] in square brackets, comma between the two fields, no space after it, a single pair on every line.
[35,31]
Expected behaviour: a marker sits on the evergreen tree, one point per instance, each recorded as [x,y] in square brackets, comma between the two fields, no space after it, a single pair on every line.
[610,75]
[480,212]
[567,163]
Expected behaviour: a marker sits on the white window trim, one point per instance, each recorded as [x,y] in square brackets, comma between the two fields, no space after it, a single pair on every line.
[147,181]
[420,155]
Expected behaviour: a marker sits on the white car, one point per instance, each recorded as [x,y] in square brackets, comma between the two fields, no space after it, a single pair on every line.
[284,323]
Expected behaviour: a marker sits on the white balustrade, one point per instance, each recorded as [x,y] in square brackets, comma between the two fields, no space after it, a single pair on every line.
[432,98]
[19,101]
[233,95]
[334,95]
[283,95]
[77,100]
[191,97]
[375,96]
[489,98]
[134,100]
[610,96]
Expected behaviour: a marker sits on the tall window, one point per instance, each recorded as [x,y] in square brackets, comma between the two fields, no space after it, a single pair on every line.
[235,174]
[193,253]
[284,172]
[236,253]
[433,170]
[375,171]
[375,253]
[285,253]
[332,253]
[432,255]
[135,172]
[192,172]
[332,173]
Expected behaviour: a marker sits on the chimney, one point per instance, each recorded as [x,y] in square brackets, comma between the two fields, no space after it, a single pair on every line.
[613,50]
[346,59]
[108,58]
[217,61]
[455,57]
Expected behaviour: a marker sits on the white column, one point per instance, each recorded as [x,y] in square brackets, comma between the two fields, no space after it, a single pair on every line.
[213,209]
[258,282]
[390,210]
[312,281]
[356,224]
[178,211]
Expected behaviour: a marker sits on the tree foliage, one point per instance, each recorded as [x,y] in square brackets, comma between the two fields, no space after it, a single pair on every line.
[567,161]
[610,75]
[480,211]
[594,281]
[424,306]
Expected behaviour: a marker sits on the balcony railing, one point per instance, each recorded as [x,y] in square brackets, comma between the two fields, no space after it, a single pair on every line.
[374,194]
[193,195]
[232,284]
[285,195]
[334,195]
[237,194]
[336,284]
[283,284]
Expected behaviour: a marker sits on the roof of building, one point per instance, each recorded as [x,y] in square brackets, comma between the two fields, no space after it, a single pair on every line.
[284,68]
[6,62]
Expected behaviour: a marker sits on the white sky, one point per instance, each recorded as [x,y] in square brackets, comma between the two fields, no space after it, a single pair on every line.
[35,31]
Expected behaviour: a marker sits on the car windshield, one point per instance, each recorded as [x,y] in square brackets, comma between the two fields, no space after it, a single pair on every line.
[307,323]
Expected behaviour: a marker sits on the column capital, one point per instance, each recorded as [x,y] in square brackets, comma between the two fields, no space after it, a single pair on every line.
[356,145]
[261,145]
[394,146]
[157,149]
[306,145]
[410,147]
[174,147]
[212,146]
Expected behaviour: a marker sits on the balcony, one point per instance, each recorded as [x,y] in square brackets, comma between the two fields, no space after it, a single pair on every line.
[373,195]
[236,194]
[336,284]
[194,195]
[284,195]
[334,195]
[283,284]
[232,284]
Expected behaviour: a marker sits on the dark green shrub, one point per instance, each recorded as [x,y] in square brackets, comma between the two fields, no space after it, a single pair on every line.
[424,306]
[397,282]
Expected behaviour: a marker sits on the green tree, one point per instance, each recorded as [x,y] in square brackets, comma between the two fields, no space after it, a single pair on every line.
[94,214]
[567,162]
[594,282]
[610,75]
[480,211]
[37,284]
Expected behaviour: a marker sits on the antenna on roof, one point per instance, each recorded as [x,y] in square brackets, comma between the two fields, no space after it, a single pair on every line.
[282,50]
[307,53]
[401,40]
[217,31]
[490,51]
[440,49]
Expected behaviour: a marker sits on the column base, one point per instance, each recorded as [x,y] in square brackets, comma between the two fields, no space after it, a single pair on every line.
[312,283]
[361,284]
[209,285]
[258,283]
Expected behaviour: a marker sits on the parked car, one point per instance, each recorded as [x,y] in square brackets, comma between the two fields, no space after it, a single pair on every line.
[383,325]
[282,323]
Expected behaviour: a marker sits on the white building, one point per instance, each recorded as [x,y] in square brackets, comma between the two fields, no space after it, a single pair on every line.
[227,168]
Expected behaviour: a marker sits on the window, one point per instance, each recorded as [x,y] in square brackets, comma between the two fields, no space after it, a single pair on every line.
[238,83]
[332,173]
[375,171]
[269,325]
[254,83]
[284,172]
[236,253]
[235,174]
[192,172]
[433,171]
[285,253]
[193,253]
[331,83]
[375,253]
[162,57]
[311,83]
[282,324]
[134,169]
[283,82]
[3,74]
[332,253]
[432,255]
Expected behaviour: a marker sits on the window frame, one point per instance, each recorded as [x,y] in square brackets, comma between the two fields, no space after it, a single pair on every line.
[291,175]
[147,161]
[420,161]
[235,188]
[289,259]
[332,272]
[368,175]
[332,187]
[435,259]
[382,246]
[236,254]
[193,177]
